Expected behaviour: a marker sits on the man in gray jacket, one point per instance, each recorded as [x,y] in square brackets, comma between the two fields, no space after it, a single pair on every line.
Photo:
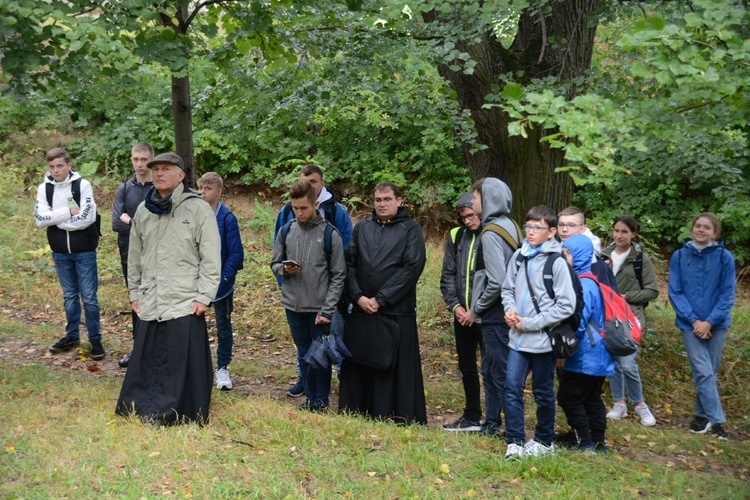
[500,237]
[174,269]
[313,283]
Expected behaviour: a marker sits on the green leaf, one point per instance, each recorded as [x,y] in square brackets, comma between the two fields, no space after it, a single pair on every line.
[512,91]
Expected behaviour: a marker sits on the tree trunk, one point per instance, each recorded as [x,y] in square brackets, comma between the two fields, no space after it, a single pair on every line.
[183,126]
[526,164]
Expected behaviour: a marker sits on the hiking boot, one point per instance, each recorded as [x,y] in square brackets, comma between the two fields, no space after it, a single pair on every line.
[463,425]
[700,425]
[64,344]
[97,351]
[124,361]
[223,382]
[647,418]
[536,449]
[296,390]
[618,411]
[514,452]
[719,433]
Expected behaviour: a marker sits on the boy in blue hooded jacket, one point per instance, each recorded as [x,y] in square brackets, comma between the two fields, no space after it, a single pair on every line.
[582,376]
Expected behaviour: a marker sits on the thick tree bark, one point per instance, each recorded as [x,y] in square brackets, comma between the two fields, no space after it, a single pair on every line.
[527,165]
[182,113]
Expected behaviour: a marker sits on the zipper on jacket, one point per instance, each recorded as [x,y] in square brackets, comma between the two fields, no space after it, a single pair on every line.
[469,267]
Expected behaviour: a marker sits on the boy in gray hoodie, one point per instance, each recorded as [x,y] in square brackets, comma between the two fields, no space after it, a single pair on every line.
[529,313]
[313,283]
[499,238]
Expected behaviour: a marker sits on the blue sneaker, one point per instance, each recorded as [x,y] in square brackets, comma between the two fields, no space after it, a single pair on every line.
[296,390]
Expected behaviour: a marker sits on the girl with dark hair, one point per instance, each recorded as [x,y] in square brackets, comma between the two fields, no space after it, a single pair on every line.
[636,282]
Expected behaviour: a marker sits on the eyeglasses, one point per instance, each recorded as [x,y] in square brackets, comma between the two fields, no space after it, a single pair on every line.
[569,226]
[534,229]
[467,217]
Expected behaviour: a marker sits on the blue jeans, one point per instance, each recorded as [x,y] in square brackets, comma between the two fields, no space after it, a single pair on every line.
[317,381]
[705,357]
[224,333]
[494,365]
[626,376]
[542,368]
[79,281]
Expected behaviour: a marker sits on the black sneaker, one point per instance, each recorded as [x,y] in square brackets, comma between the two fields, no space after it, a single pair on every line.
[490,430]
[97,351]
[296,390]
[463,425]
[124,361]
[64,344]
[566,440]
[700,425]
[718,431]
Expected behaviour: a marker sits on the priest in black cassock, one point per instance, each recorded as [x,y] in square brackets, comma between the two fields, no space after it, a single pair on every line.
[384,260]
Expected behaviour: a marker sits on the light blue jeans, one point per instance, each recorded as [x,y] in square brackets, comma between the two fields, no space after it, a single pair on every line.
[626,377]
[705,358]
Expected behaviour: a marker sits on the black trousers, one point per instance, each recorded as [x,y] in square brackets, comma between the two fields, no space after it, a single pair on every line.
[468,338]
[580,397]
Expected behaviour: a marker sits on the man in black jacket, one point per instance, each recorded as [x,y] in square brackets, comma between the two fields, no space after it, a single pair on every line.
[128,197]
[385,258]
[455,284]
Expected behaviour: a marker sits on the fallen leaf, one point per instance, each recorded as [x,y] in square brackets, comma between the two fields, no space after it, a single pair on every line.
[445,469]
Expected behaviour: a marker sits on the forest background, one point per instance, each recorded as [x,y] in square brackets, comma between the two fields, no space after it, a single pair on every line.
[655,126]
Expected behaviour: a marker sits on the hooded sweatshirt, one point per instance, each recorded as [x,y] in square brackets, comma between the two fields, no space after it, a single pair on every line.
[489,274]
[67,233]
[592,357]
[316,287]
[458,261]
[702,285]
[516,297]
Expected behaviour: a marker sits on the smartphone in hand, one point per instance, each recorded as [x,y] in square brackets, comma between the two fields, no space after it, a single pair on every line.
[290,263]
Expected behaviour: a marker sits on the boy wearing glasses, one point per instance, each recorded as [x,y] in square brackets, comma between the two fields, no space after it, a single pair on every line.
[571,222]
[455,284]
[499,238]
[530,348]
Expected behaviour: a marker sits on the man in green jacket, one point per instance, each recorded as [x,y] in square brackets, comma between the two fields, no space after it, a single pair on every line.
[174,269]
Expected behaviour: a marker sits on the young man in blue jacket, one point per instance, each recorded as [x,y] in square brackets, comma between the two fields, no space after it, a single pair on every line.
[211,187]
[582,376]
[336,214]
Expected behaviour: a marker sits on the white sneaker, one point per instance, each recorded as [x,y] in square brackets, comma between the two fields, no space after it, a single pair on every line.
[223,381]
[647,418]
[618,411]
[536,449]
[515,452]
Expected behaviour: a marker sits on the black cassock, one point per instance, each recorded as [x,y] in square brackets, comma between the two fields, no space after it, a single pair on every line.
[170,374]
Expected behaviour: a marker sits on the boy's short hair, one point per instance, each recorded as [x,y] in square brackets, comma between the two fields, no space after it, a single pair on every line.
[385,186]
[311,169]
[302,189]
[211,178]
[567,212]
[55,153]
[542,212]
[143,146]
[477,186]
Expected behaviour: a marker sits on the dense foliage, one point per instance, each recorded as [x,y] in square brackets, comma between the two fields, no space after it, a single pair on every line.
[661,132]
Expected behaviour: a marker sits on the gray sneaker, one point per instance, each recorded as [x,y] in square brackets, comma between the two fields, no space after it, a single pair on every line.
[463,425]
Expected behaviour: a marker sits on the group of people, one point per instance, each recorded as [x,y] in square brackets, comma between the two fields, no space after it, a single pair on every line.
[506,292]
[506,287]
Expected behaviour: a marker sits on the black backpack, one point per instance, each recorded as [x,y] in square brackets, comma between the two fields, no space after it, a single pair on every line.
[562,336]
[75,189]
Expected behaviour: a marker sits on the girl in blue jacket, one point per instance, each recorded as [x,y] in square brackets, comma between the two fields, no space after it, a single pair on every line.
[701,290]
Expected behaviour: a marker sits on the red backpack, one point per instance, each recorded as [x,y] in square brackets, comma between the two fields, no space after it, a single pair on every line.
[622,330]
